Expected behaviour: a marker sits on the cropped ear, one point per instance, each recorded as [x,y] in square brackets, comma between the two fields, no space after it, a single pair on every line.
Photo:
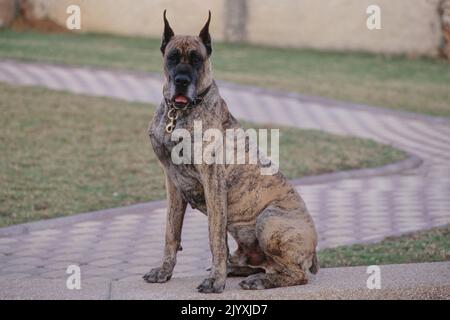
[167,35]
[205,36]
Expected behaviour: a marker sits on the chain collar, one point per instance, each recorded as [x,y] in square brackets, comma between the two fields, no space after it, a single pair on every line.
[174,113]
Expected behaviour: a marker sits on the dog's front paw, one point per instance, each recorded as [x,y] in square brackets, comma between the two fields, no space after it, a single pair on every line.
[211,285]
[158,275]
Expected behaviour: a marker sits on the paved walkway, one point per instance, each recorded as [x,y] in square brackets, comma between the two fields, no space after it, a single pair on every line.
[348,208]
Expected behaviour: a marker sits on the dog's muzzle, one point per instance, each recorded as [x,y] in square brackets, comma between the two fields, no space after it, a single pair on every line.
[175,108]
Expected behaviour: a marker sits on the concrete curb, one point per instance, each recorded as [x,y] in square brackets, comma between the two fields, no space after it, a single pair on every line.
[411,162]
[424,281]
[401,281]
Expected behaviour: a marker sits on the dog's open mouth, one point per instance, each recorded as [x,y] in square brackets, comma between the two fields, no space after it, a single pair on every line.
[181,101]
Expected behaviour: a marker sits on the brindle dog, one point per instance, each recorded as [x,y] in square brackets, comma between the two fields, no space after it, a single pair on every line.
[266,216]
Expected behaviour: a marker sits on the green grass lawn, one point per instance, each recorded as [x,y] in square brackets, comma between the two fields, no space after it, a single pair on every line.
[423,246]
[64,154]
[418,85]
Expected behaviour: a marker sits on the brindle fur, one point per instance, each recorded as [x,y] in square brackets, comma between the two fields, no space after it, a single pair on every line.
[266,216]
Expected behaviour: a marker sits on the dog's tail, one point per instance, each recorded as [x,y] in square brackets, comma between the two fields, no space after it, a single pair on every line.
[315,264]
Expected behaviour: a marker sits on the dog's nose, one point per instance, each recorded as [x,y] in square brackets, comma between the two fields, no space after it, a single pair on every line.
[182,80]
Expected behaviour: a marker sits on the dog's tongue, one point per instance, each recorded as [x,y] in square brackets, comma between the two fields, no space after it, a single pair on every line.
[181,99]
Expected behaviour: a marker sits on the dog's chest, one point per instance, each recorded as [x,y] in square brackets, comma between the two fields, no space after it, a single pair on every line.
[184,176]
[161,140]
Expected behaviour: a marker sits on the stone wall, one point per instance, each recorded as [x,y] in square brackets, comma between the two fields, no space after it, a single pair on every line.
[141,17]
[408,26]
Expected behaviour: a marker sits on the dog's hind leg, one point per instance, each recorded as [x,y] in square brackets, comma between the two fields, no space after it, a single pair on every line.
[238,271]
[274,280]
[288,239]
[248,258]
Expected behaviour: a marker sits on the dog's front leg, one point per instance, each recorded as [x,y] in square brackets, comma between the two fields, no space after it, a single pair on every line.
[176,207]
[214,185]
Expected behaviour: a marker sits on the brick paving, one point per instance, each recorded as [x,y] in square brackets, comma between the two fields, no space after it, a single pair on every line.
[351,209]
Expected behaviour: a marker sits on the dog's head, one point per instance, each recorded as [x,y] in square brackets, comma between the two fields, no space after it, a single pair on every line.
[187,67]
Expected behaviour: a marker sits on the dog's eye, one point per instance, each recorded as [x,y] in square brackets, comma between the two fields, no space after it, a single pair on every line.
[196,59]
[173,58]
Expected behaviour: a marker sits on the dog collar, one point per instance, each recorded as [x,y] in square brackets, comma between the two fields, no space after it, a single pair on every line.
[198,100]
[174,112]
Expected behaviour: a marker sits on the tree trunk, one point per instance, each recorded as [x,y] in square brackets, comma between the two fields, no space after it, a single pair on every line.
[8,12]
[236,20]
[445,20]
